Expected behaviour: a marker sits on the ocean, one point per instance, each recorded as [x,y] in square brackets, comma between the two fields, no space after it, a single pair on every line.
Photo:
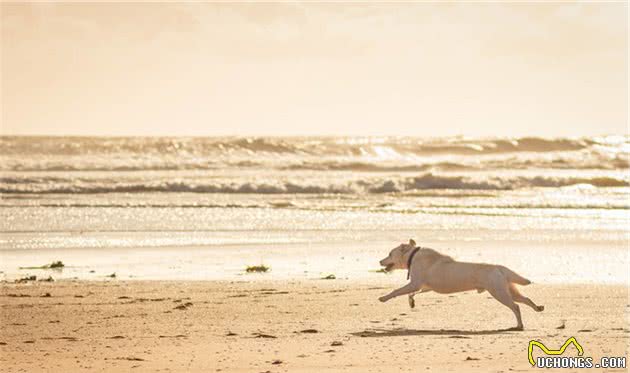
[204,208]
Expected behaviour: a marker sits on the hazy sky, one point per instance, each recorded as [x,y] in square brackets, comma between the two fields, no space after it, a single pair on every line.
[420,69]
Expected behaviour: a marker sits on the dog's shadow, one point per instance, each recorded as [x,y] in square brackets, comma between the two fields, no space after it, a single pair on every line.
[401,332]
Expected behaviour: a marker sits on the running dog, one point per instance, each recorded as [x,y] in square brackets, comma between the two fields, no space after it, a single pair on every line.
[432,271]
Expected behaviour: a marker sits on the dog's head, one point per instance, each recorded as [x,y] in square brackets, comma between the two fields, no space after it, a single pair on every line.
[395,259]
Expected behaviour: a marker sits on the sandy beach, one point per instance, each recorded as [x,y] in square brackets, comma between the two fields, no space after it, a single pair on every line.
[228,186]
[301,326]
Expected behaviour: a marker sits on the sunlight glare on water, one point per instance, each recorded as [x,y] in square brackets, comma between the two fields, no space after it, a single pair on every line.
[125,201]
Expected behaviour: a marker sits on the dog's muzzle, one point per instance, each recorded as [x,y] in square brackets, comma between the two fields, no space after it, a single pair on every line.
[389,267]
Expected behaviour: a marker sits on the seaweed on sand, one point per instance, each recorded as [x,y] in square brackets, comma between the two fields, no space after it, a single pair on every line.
[54,265]
[257,269]
[381,270]
[26,279]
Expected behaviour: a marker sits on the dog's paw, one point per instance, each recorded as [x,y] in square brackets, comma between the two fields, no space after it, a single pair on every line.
[540,308]
[412,302]
[383,299]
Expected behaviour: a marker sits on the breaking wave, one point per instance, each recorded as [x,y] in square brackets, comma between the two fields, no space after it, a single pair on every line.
[60,185]
[430,181]
[310,145]
[597,163]
[56,154]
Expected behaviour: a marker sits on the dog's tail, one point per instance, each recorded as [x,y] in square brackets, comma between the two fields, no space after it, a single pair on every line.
[514,277]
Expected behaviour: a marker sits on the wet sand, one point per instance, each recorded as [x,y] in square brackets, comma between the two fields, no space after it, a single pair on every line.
[302,326]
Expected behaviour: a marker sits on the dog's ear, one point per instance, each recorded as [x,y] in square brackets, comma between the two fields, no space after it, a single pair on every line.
[412,242]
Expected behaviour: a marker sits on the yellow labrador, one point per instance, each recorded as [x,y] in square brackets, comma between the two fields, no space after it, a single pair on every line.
[432,271]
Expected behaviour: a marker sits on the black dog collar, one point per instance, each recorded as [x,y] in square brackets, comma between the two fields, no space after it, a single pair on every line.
[413,253]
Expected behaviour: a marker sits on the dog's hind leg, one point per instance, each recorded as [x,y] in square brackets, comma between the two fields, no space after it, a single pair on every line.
[520,298]
[502,294]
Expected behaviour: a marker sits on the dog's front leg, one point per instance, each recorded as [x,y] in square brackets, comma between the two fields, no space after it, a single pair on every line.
[412,301]
[407,289]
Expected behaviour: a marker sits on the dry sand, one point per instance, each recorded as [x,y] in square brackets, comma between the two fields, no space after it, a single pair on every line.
[307,326]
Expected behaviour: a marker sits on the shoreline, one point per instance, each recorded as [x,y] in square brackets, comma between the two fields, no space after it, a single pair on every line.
[389,280]
[299,325]
[586,262]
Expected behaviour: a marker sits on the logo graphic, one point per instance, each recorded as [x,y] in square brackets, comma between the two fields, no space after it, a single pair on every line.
[547,351]
[556,361]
